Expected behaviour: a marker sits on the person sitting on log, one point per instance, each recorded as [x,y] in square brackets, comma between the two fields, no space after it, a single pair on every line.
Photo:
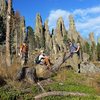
[43,59]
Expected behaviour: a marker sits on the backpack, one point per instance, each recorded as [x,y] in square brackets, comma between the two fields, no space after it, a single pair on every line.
[37,61]
[24,48]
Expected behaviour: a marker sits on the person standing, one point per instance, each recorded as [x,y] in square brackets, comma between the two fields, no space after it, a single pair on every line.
[24,53]
[74,52]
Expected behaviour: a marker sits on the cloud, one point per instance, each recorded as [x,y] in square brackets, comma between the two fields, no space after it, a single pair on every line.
[86,20]
[55,14]
[93,10]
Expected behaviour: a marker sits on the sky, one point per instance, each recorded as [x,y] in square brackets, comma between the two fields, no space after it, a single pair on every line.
[86,13]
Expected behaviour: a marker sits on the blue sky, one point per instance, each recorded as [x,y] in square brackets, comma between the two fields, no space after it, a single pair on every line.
[86,13]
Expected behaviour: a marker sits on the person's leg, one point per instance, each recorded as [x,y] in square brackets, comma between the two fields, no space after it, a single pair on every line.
[26,58]
[22,59]
[47,60]
[75,63]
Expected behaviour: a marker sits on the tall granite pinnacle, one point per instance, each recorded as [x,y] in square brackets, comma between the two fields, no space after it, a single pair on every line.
[3,7]
[91,37]
[22,29]
[60,33]
[48,40]
[71,23]
[93,45]
[39,35]
[72,32]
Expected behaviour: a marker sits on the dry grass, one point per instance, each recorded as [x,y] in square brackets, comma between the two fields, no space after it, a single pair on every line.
[97,63]
[92,80]
[9,72]
[62,76]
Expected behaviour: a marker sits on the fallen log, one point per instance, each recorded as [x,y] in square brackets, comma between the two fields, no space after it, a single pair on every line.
[60,61]
[59,93]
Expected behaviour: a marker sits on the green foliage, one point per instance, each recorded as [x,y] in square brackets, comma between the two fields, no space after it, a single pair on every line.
[2,29]
[17,94]
[70,87]
[8,95]
[87,49]
[98,51]
[65,39]
[73,83]
[35,90]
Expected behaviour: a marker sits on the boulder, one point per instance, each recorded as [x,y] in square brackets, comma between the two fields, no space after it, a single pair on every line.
[85,57]
[89,67]
[42,71]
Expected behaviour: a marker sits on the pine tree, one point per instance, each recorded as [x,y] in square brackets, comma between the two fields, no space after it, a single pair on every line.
[2,30]
[98,51]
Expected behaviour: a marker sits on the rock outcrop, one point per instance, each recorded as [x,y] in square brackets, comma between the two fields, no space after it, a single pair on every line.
[88,68]
[72,32]
[60,33]
[39,32]
[48,39]
[22,30]
[91,37]
[3,7]
[93,46]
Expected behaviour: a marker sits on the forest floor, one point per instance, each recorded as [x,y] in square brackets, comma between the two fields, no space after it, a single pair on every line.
[64,80]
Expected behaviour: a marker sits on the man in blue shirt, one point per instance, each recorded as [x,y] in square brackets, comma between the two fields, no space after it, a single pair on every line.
[74,50]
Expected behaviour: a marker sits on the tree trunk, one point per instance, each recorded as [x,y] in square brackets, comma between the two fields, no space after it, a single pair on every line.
[8,56]
[16,43]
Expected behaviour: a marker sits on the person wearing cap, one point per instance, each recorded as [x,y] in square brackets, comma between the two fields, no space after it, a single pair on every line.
[44,59]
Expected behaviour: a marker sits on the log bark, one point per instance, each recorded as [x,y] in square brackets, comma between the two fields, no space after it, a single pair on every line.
[60,61]
[59,93]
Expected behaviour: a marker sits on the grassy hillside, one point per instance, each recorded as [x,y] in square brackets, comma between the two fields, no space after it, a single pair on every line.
[63,80]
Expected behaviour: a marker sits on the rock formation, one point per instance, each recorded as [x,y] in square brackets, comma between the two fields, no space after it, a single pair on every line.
[88,67]
[55,50]
[48,40]
[39,34]
[60,33]
[91,37]
[93,46]
[22,30]
[3,7]
[72,32]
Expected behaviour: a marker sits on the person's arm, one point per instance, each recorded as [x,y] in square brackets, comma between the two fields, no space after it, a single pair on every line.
[78,47]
